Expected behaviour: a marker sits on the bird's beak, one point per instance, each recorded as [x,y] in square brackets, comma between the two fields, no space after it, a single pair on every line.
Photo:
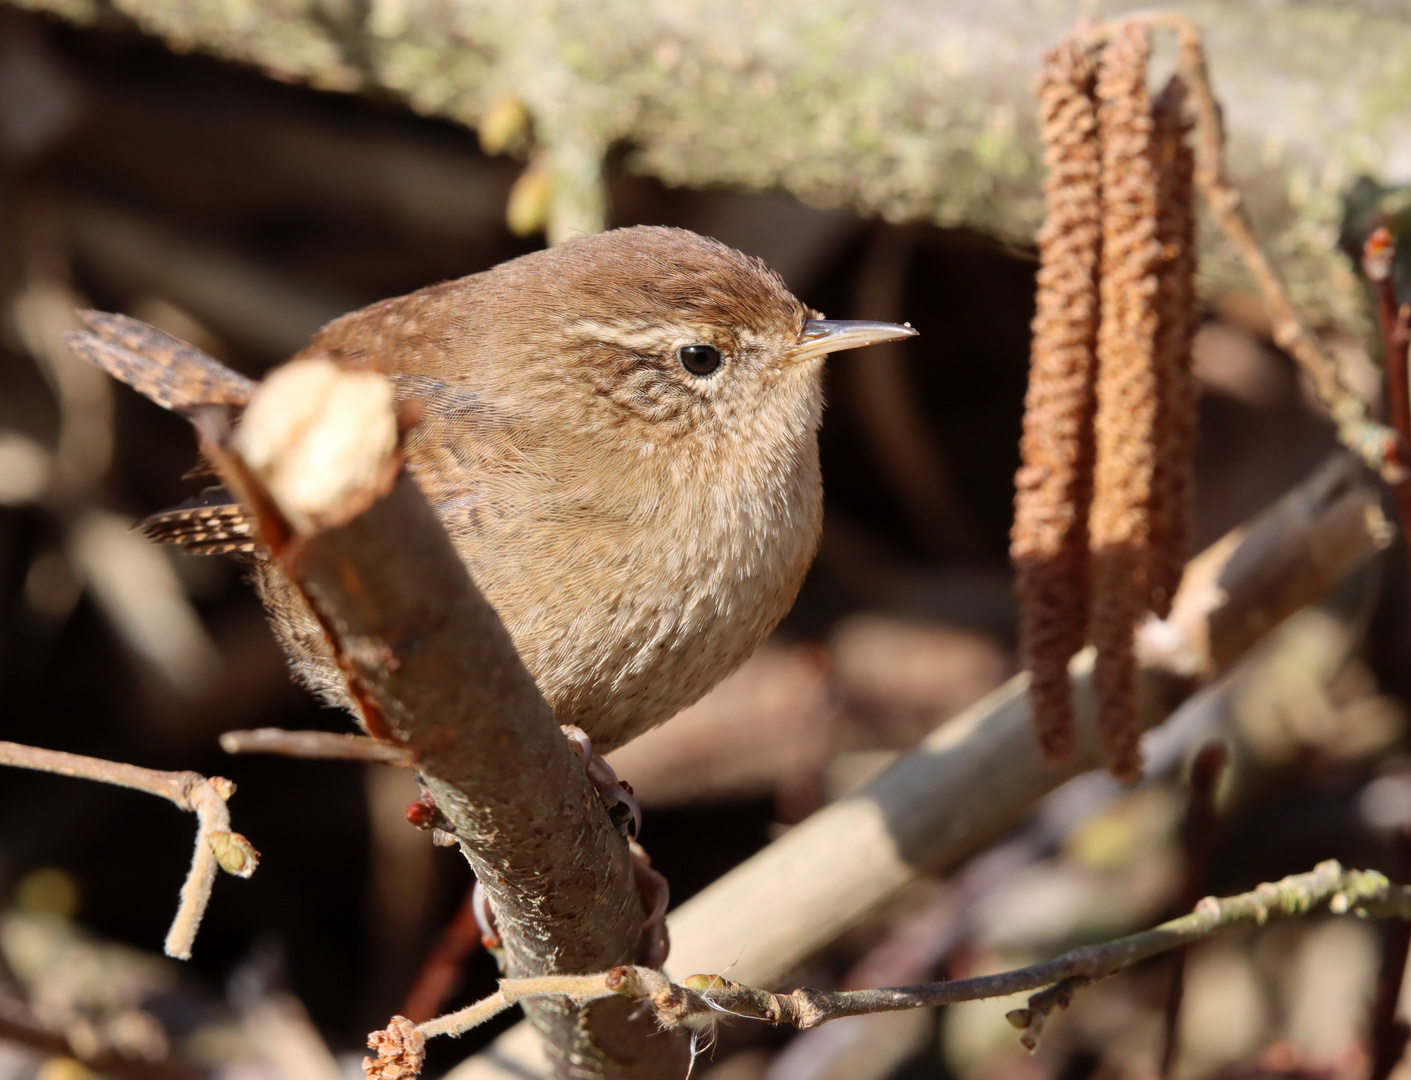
[823,336]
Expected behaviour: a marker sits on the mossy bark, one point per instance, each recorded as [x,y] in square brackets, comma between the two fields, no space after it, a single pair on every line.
[906,109]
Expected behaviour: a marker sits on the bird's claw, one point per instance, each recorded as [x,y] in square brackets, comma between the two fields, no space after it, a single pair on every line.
[617,794]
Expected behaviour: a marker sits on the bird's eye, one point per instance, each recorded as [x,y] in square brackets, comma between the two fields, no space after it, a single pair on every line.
[699,359]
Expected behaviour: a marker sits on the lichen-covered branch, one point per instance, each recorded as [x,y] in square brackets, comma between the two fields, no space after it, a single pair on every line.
[908,109]
[701,999]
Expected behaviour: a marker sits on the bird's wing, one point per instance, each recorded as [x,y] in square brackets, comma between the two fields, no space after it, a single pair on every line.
[456,437]
[447,448]
[464,443]
[175,375]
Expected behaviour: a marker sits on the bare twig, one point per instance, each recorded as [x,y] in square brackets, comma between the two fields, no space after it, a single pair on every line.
[319,745]
[1387,1033]
[1374,443]
[1378,256]
[216,844]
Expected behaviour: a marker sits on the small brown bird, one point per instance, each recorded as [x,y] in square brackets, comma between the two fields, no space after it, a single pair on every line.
[620,436]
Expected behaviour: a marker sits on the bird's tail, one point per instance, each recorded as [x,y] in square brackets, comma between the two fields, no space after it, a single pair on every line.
[182,378]
[167,370]
[213,523]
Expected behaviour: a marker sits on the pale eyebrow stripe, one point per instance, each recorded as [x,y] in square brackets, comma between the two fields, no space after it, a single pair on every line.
[643,337]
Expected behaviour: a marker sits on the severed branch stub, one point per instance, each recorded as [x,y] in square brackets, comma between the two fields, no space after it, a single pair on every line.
[702,999]
[216,845]
[317,459]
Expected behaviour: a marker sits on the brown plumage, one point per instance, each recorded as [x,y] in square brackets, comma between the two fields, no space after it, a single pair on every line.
[209,524]
[640,527]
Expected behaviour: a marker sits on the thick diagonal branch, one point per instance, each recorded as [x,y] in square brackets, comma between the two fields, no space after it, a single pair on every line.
[433,667]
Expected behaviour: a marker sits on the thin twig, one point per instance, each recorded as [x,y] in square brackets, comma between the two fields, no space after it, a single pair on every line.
[1378,256]
[702,998]
[580,989]
[1375,443]
[1388,1033]
[216,845]
[319,745]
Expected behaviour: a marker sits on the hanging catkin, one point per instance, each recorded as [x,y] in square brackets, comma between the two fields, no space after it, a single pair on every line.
[1176,325]
[1054,483]
[1127,392]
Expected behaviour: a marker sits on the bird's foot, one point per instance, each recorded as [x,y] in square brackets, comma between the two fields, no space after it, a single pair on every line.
[622,808]
[484,917]
[627,815]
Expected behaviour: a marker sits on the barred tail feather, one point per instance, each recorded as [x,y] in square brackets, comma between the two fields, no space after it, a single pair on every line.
[175,375]
[210,524]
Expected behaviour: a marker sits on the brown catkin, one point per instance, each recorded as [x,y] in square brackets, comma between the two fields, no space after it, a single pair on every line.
[1054,482]
[1120,526]
[1177,319]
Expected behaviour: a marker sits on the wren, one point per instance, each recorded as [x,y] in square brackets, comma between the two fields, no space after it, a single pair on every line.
[619,434]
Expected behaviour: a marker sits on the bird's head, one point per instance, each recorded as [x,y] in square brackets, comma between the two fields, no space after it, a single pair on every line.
[676,335]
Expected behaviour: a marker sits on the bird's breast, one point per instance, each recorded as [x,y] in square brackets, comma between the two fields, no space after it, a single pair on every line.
[632,585]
